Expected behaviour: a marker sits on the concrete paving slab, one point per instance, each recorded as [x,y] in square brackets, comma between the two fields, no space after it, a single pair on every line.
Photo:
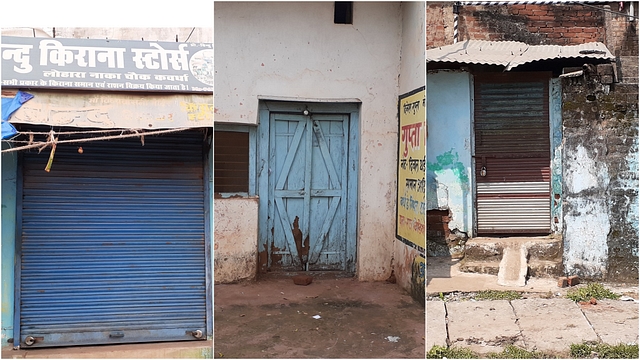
[483,326]
[436,324]
[552,325]
[615,322]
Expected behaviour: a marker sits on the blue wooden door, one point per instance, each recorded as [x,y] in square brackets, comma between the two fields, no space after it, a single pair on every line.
[308,157]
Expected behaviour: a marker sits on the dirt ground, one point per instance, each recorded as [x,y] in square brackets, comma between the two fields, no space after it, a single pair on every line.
[274,318]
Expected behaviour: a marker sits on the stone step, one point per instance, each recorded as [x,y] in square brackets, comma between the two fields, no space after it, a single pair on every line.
[530,257]
[491,249]
[537,268]
[480,267]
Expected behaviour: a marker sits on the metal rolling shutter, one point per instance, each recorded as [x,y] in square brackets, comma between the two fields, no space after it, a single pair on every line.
[512,143]
[112,247]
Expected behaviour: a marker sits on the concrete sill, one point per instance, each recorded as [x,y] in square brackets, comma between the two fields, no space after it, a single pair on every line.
[163,350]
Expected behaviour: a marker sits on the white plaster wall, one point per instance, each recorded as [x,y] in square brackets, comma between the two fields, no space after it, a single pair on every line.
[412,63]
[235,239]
[587,223]
[586,231]
[294,50]
[449,146]
[584,173]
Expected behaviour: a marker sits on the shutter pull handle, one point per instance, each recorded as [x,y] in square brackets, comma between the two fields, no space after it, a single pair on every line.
[197,334]
[483,170]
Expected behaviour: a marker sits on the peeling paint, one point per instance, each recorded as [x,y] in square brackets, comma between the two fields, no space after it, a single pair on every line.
[587,226]
[584,172]
[450,160]
[236,257]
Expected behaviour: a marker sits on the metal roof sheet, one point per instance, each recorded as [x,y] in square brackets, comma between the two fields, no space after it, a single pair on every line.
[511,54]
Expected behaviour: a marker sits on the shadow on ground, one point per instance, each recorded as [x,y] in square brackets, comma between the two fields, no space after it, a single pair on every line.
[273,318]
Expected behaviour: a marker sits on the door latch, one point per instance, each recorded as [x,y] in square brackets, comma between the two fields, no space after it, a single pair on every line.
[197,334]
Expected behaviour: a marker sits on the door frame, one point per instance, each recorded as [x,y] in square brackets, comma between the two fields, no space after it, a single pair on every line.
[265,108]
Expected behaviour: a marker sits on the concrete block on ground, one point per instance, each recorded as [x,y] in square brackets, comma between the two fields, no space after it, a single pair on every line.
[302,280]
[513,267]
[615,322]
[483,326]
[552,325]
[436,324]
[563,282]
[573,280]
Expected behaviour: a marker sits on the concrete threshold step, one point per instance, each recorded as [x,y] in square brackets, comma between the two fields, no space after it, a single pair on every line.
[513,259]
[537,268]
[480,267]
[491,249]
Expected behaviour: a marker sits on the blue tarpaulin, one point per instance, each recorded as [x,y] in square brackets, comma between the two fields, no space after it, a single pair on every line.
[9,106]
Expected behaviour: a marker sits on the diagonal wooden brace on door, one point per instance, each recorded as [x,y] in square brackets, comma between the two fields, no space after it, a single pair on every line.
[288,161]
[314,254]
[287,229]
[326,156]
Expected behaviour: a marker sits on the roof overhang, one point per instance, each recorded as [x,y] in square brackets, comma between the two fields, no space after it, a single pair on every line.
[512,54]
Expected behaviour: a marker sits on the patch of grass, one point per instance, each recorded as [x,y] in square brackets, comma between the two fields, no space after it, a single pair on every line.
[595,290]
[441,352]
[578,351]
[514,352]
[498,295]
[604,351]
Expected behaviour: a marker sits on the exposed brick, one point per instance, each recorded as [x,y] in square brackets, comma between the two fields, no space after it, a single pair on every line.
[573,280]
[563,282]
[302,280]
[539,12]
[546,18]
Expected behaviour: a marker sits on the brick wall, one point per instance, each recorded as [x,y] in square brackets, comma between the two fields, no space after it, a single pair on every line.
[532,24]
[438,232]
[439,24]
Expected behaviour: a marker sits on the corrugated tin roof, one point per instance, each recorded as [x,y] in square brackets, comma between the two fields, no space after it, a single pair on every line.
[511,54]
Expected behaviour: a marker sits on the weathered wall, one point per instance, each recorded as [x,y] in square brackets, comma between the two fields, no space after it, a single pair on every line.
[601,180]
[601,164]
[411,77]
[9,165]
[449,148]
[293,50]
[532,24]
[235,251]
[409,268]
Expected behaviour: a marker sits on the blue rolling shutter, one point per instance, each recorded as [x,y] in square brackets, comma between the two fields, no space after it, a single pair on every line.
[113,243]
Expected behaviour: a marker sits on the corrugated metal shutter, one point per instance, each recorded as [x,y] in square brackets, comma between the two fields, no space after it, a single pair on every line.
[512,144]
[113,247]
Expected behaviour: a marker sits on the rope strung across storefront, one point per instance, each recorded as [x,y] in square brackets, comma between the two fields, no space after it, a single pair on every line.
[53,141]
